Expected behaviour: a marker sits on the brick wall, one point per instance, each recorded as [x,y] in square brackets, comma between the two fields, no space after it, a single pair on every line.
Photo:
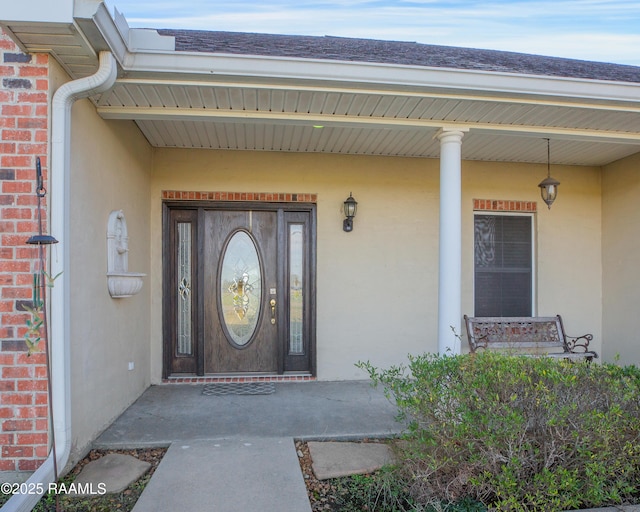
[24,121]
[503,205]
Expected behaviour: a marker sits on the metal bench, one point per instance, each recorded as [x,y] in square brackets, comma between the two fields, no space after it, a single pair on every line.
[534,336]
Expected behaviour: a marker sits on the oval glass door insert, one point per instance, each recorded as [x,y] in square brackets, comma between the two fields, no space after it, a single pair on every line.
[240,288]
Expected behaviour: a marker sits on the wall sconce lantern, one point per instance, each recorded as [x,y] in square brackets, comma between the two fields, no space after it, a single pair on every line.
[549,185]
[350,207]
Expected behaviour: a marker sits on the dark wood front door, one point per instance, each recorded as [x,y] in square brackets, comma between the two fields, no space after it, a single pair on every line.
[241,254]
[239,289]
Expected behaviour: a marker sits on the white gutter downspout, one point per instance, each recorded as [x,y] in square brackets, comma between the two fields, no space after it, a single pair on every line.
[59,171]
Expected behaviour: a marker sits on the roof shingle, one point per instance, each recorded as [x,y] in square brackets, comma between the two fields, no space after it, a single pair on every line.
[396,52]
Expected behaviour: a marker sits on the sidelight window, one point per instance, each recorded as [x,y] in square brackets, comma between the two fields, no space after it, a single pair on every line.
[185,295]
[296,288]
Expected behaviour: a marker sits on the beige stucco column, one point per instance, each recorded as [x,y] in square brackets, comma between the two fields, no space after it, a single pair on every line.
[450,263]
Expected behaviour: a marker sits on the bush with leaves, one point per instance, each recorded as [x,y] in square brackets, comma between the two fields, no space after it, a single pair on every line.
[386,490]
[379,492]
[517,433]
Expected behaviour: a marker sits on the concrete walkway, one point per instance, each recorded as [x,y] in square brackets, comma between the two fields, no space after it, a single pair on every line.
[227,475]
[236,453]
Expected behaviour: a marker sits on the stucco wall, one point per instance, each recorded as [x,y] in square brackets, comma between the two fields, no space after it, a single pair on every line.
[567,238]
[621,254]
[110,164]
[377,286]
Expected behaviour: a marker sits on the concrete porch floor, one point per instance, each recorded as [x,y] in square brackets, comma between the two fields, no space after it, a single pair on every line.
[234,452]
[302,410]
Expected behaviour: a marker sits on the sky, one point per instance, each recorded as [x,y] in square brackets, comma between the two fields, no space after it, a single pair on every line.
[598,30]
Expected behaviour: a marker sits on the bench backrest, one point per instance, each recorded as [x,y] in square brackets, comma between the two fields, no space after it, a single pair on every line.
[515,332]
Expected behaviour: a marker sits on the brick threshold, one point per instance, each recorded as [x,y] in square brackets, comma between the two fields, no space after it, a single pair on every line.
[212,379]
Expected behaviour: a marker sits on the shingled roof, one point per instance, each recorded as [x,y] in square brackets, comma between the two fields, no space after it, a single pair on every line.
[396,52]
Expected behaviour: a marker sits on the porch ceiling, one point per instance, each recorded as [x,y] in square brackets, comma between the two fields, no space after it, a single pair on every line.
[359,121]
[244,102]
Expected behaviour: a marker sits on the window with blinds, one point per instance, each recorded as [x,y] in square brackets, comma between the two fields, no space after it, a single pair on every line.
[503,249]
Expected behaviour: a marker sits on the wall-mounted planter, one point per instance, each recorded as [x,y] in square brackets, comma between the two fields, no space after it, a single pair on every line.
[120,282]
[124,285]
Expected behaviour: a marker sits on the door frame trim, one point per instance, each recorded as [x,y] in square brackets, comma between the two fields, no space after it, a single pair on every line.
[200,206]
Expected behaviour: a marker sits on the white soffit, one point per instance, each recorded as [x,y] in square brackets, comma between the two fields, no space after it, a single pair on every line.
[376,141]
[63,40]
[376,122]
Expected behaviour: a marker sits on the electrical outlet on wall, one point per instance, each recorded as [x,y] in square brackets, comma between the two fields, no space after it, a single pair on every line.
[132,365]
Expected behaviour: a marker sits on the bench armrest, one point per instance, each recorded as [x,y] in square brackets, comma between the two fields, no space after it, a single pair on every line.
[578,343]
[478,342]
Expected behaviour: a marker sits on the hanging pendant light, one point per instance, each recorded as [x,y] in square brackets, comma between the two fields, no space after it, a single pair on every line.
[549,185]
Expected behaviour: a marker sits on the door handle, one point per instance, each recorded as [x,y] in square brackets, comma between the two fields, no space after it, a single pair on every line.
[272,303]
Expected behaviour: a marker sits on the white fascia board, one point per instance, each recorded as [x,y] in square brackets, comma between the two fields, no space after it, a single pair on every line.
[37,11]
[363,74]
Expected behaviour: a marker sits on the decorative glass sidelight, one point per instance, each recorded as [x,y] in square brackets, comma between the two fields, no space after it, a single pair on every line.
[185,298]
[241,288]
[296,288]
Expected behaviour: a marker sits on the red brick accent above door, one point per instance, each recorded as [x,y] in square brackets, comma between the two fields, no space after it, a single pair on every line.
[502,205]
[184,195]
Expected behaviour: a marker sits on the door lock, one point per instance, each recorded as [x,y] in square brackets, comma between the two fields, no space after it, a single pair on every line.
[272,303]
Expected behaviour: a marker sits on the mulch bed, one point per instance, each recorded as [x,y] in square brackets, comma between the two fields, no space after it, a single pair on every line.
[123,501]
[151,455]
[120,502]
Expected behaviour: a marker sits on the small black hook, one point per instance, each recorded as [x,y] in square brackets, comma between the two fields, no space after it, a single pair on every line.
[41,191]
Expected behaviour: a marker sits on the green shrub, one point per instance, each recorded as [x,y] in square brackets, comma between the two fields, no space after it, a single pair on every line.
[379,492]
[517,433]
[387,490]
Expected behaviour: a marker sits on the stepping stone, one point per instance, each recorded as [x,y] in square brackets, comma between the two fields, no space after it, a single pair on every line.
[114,471]
[337,459]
